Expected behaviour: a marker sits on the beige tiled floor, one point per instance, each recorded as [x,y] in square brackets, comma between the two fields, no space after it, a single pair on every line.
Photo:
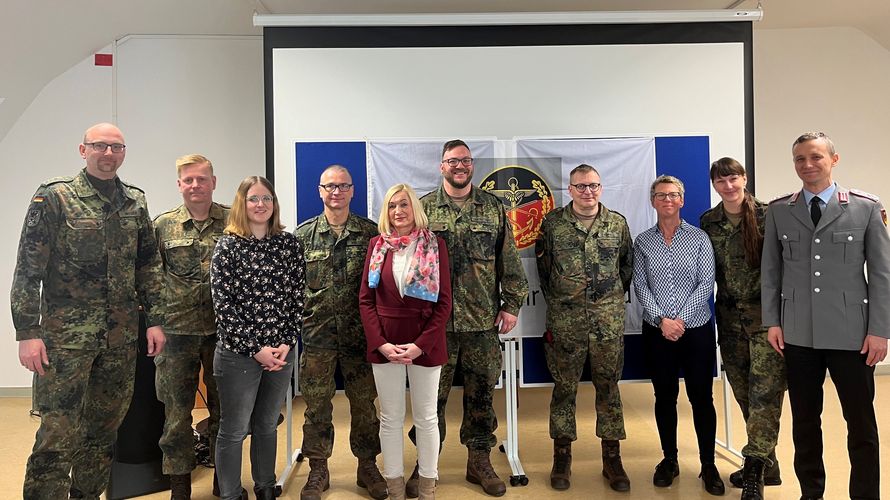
[640,451]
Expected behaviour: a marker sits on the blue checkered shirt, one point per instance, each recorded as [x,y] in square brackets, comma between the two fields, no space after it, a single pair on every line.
[674,281]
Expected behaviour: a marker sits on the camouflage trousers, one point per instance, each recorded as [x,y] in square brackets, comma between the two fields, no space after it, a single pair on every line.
[177,369]
[317,385]
[756,373]
[480,357]
[82,399]
[565,359]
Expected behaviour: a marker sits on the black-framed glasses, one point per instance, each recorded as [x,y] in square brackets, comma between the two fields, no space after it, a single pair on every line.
[266,199]
[592,187]
[330,187]
[673,196]
[453,162]
[102,147]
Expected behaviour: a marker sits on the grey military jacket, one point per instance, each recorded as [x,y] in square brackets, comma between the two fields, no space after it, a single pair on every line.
[813,279]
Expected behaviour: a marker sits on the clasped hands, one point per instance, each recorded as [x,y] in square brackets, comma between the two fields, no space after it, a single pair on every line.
[403,354]
[272,358]
[672,328]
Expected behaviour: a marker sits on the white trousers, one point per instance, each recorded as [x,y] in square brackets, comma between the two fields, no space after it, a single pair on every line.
[424,381]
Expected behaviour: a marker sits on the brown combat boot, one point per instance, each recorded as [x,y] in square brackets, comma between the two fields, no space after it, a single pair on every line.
[480,471]
[412,486]
[368,476]
[180,486]
[562,464]
[613,470]
[396,488]
[427,488]
[319,480]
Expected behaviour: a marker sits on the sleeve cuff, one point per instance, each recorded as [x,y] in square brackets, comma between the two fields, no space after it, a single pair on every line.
[29,334]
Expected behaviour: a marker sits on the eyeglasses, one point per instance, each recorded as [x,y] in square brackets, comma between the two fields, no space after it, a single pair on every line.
[103,147]
[453,162]
[266,199]
[331,187]
[674,196]
[592,187]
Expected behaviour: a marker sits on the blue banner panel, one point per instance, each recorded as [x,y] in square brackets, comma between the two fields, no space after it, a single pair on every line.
[688,159]
[311,160]
[534,368]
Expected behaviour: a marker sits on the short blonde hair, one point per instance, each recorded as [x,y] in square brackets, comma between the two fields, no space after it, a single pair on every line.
[667,179]
[184,161]
[421,221]
[238,223]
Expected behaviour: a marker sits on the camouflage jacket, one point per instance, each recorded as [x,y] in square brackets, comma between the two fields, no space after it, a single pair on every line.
[333,276]
[738,286]
[96,260]
[186,250]
[585,274]
[486,272]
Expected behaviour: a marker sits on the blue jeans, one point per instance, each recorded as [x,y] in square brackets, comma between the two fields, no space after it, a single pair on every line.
[250,401]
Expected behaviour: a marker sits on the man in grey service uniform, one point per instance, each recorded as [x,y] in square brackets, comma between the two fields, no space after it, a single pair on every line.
[822,312]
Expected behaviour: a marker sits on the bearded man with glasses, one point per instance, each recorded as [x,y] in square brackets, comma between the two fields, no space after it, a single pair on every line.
[488,288]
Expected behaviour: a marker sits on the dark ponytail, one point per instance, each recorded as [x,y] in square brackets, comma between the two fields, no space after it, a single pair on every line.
[752,238]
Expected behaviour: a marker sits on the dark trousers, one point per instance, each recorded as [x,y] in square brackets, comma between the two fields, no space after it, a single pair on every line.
[250,400]
[855,385]
[696,354]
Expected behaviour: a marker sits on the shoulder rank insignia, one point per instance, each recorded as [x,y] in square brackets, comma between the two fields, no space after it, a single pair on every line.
[863,194]
[793,197]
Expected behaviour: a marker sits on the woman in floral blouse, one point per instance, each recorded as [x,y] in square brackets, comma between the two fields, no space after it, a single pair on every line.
[405,302]
[256,278]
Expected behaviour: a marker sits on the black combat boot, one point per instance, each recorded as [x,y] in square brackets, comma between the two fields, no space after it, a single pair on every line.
[752,483]
[561,472]
[180,486]
[613,469]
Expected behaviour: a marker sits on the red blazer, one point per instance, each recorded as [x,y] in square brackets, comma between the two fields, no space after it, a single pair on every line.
[389,317]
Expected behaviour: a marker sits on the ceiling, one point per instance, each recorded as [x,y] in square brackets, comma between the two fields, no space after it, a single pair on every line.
[39,40]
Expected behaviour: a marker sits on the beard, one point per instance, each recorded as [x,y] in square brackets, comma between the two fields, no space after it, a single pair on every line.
[449,178]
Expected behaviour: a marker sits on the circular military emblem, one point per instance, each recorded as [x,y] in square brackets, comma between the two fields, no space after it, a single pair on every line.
[526,197]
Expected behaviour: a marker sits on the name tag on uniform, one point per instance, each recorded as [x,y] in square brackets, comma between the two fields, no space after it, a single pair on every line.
[438,226]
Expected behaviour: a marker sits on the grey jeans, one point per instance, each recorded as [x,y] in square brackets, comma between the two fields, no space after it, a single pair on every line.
[250,401]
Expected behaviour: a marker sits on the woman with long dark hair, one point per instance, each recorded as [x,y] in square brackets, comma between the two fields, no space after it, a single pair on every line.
[755,371]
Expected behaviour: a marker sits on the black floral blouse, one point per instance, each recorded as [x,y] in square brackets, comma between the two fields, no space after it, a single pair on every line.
[257,287]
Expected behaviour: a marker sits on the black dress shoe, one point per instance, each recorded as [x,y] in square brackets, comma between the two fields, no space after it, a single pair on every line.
[665,472]
[711,481]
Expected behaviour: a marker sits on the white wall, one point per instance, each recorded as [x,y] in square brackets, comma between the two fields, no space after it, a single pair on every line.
[829,79]
[172,96]
[832,79]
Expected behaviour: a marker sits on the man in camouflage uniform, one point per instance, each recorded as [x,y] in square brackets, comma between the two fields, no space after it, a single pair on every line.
[755,371]
[335,244]
[187,236]
[488,286]
[585,264]
[87,259]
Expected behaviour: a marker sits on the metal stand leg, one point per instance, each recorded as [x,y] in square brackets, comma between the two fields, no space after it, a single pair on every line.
[294,456]
[511,383]
[727,419]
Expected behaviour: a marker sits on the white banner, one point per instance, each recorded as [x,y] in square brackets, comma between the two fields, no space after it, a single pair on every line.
[531,176]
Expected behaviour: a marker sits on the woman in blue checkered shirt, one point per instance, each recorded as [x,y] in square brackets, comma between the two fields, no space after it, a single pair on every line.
[674,279]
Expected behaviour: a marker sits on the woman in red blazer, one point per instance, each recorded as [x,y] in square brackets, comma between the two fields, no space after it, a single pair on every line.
[405,302]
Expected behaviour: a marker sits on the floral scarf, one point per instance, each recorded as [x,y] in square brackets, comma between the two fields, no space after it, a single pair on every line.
[422,278]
